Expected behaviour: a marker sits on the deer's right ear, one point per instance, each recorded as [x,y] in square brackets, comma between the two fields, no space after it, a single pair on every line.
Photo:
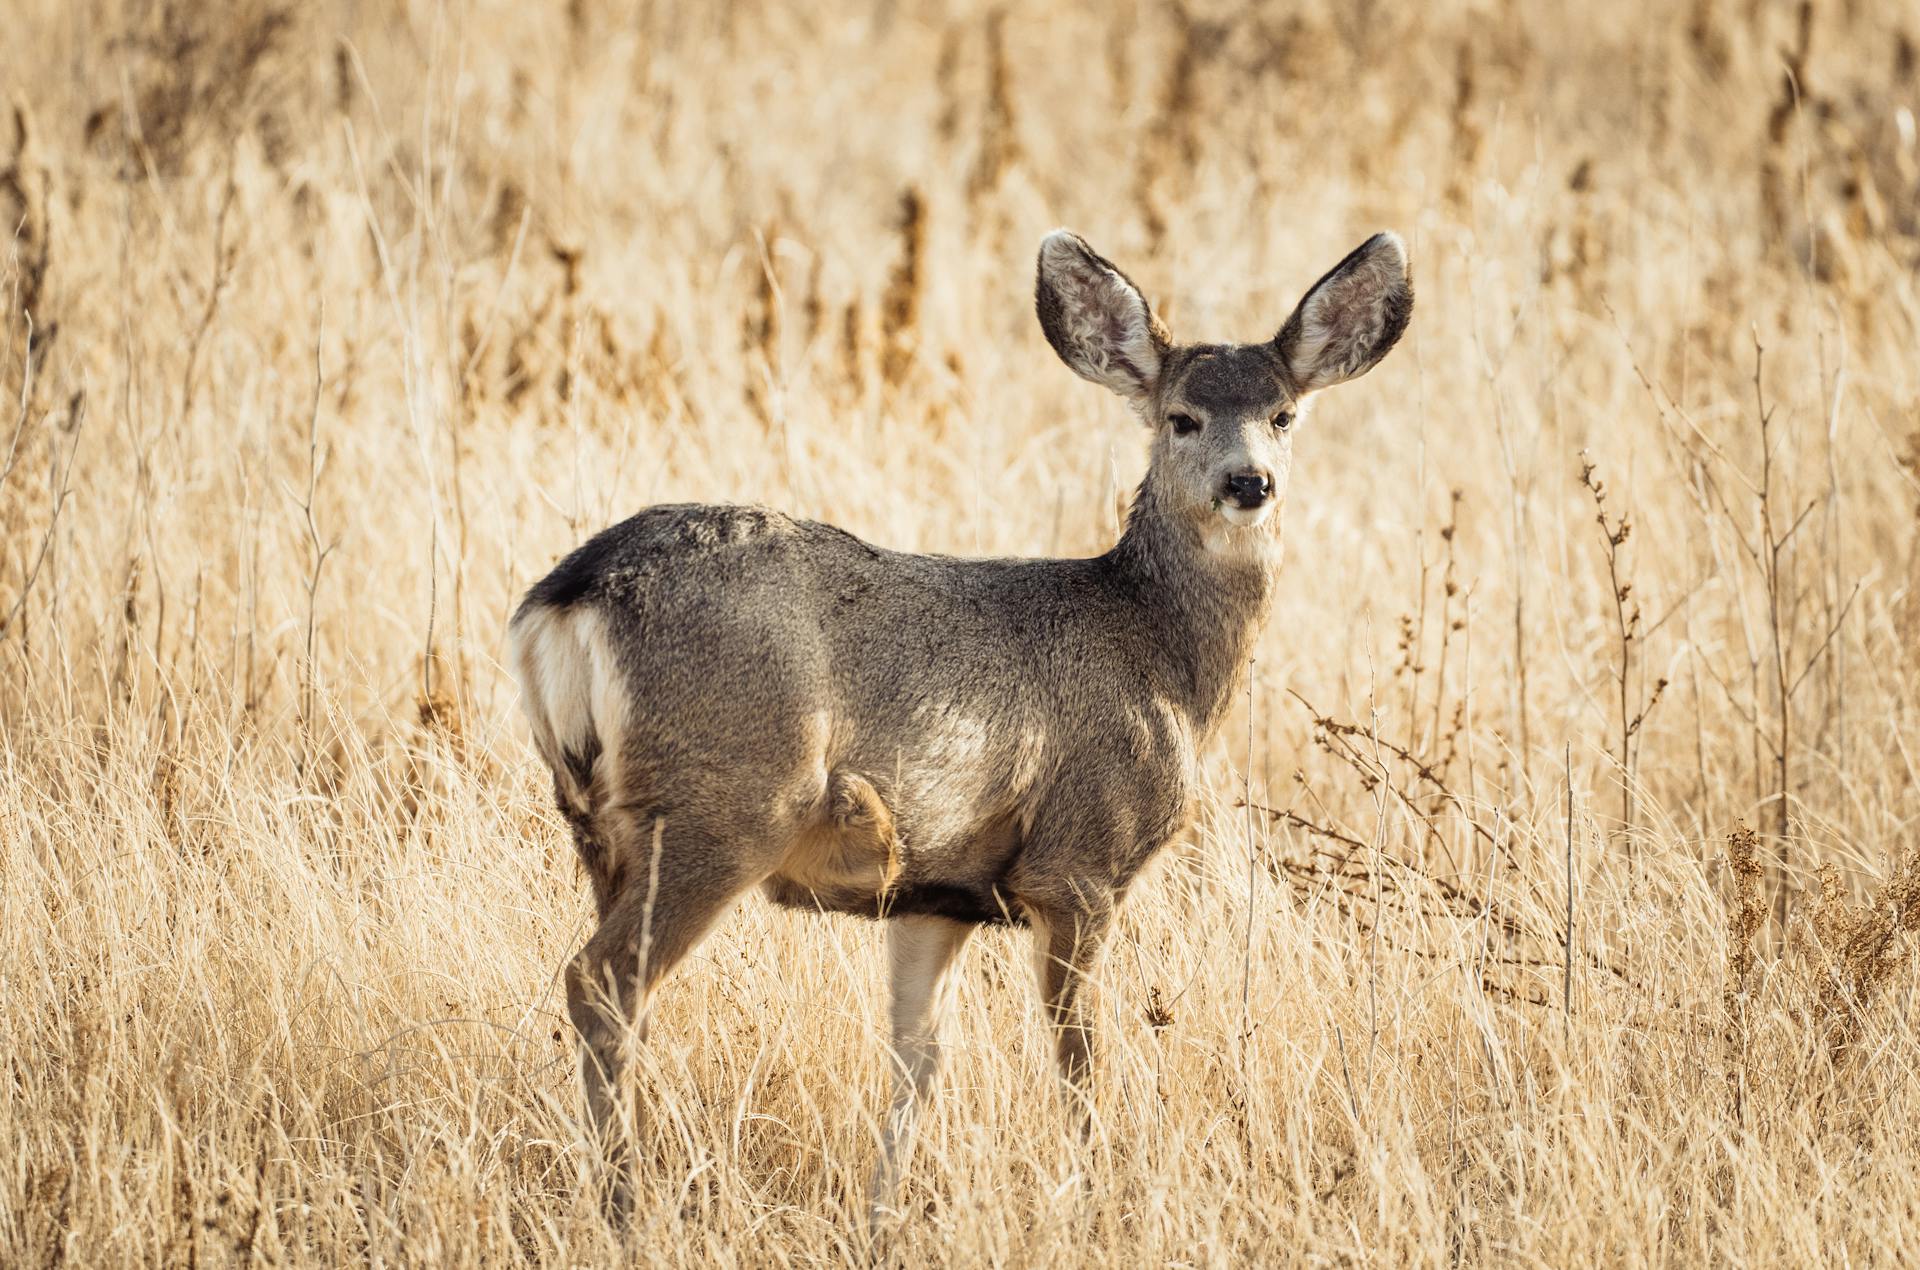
[1096,319]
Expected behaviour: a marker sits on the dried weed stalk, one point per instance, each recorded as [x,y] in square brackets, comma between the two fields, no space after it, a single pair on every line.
[1629,718]
[1745,916]
[1853,951]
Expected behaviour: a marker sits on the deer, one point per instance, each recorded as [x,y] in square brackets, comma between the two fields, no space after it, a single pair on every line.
[731,698]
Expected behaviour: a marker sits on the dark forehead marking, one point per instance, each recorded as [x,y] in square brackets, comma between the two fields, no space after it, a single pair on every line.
[1228,378]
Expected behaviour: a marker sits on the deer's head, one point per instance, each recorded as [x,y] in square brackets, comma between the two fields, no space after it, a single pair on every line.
[1222,415]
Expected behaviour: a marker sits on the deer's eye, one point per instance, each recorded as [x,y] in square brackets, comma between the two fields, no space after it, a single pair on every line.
[1184,425]
[1283,421]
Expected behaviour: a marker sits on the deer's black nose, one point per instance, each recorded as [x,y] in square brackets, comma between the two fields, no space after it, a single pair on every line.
[1249,488]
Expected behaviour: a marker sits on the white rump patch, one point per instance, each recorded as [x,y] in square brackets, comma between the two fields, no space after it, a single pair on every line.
[572,696]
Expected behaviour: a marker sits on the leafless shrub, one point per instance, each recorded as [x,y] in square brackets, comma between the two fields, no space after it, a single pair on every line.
[1631,711]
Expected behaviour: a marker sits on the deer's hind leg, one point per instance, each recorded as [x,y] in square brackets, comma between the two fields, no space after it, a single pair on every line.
[668,883]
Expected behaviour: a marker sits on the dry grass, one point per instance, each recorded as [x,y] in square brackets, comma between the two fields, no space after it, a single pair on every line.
[329,326]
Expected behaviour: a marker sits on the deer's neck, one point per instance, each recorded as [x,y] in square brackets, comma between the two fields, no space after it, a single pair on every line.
[1204,589]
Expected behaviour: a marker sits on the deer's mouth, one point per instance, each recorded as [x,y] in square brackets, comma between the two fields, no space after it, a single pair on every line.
[1237,514]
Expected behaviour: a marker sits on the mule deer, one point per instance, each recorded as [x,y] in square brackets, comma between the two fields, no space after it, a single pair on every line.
[729,697]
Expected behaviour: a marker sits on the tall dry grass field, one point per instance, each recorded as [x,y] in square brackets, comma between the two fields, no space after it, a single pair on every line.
[1555,900]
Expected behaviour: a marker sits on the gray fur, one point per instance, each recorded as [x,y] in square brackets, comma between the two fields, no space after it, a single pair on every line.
[731,698]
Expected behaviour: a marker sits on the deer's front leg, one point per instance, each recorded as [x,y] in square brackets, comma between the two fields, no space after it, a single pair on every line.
[1069,945]
[921,949]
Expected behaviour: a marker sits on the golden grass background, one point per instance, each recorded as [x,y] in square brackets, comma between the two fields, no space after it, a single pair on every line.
[329,326]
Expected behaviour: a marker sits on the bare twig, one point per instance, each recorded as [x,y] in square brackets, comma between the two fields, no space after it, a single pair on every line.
[318,548]
[1566,964]
[62,481]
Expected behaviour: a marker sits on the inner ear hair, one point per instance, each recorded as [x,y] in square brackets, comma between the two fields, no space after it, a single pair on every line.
[1351,318]
[1096,318]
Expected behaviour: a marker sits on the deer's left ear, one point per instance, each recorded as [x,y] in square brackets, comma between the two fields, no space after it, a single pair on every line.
[1351,318]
